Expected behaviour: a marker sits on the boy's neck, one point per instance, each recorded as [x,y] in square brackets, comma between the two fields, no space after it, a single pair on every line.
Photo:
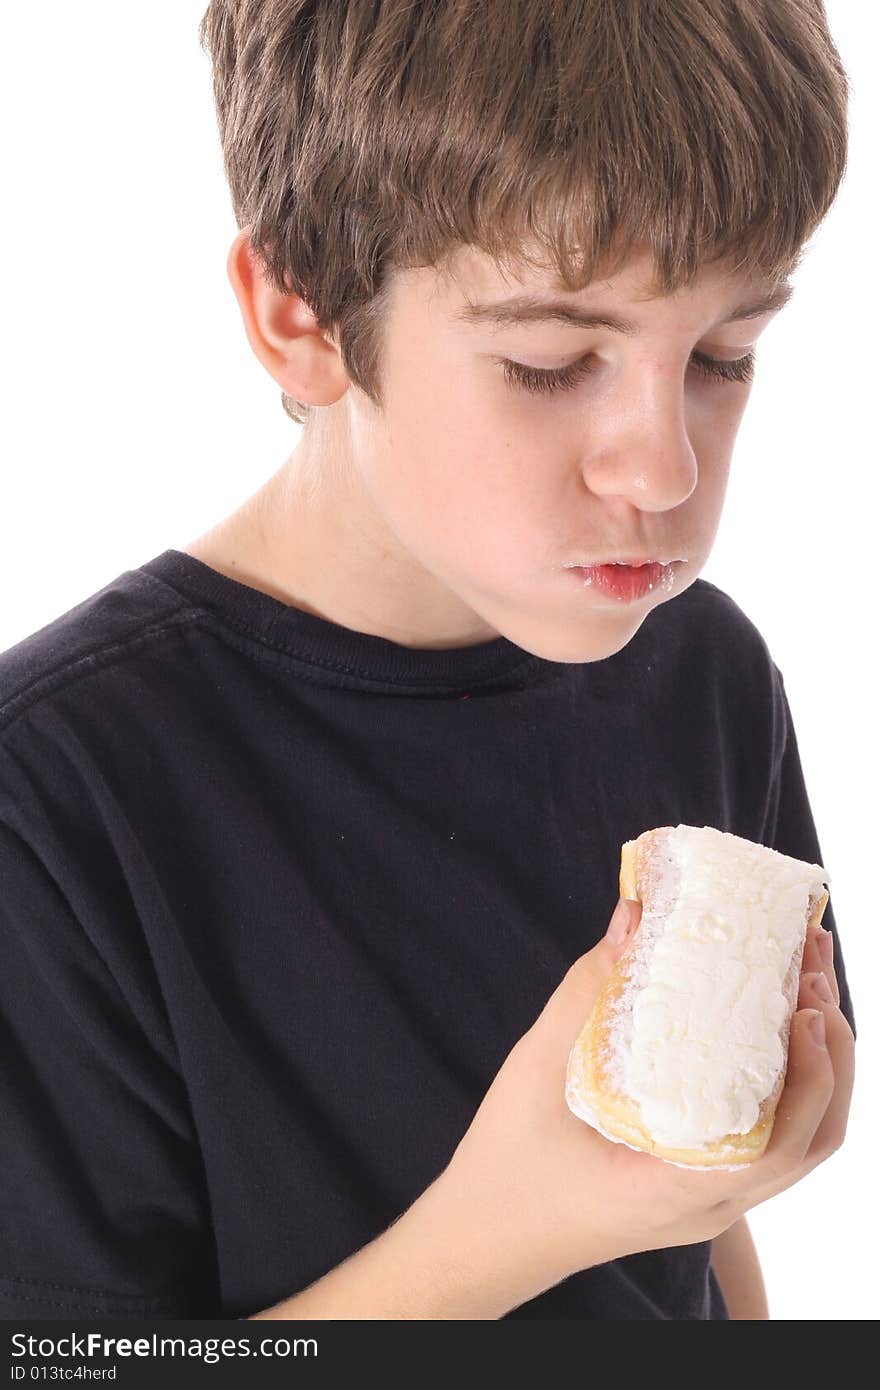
[312,540]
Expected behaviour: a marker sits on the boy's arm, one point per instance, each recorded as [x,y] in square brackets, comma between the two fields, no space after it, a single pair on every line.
[736,1265]
[438,1260]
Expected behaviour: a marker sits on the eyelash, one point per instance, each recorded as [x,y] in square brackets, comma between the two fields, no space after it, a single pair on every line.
[564,378]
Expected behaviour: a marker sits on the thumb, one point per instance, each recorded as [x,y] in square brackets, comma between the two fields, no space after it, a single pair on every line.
[569,1006]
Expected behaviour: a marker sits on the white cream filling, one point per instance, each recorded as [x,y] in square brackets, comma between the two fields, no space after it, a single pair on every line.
[703,1046]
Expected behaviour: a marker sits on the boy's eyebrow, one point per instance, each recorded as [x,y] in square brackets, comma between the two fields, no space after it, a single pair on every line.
[528,308]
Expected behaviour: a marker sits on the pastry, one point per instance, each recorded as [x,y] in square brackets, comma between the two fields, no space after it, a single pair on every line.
[684,1053]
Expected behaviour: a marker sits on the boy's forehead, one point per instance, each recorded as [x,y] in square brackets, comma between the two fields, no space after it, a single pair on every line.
[473,287]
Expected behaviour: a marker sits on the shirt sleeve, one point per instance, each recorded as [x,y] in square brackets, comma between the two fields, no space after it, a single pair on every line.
[790,827]
[102,1201]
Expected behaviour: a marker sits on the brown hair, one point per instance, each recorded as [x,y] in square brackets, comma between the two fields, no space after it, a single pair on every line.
[360,136]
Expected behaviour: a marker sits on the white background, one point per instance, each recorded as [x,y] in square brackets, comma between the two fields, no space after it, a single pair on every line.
[136,416]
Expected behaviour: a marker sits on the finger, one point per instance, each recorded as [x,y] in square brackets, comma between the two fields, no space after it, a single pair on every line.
[805,1098]
[819,955]
[814,990]
[831,1131]
[569,1006]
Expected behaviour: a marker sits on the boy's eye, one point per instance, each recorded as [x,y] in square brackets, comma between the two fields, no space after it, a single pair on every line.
[564,378]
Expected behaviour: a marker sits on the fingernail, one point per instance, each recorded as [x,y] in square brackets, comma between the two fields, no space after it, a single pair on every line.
[817,1028]
[821,988]
[618,927]
[826,946]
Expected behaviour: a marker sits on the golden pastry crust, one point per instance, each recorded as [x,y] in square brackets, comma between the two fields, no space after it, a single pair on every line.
[589,1089]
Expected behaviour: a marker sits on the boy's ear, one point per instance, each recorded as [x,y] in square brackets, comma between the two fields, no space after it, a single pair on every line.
[283,331]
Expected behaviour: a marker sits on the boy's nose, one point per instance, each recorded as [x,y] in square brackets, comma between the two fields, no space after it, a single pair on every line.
[653,473]
[641,449]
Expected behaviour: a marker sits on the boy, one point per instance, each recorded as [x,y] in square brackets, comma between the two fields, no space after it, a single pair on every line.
[305,827]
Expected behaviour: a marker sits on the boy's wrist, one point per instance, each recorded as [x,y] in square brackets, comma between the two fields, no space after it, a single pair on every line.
[474,1256]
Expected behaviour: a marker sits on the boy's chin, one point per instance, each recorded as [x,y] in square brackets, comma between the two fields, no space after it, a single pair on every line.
[599,636]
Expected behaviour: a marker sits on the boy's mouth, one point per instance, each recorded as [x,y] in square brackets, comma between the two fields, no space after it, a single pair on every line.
[628,580]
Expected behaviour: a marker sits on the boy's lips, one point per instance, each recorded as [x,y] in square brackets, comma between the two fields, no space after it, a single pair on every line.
[626,582]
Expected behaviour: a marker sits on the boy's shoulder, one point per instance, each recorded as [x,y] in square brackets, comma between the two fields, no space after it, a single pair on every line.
[706,628]
[717,612]
[126,615]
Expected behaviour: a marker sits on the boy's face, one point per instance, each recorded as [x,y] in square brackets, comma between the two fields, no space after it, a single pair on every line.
[457,512]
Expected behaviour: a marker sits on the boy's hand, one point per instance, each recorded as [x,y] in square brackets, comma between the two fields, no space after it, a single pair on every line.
[553,1196]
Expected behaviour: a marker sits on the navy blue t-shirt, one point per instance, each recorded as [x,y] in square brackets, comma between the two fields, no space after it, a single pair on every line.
[278,897]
